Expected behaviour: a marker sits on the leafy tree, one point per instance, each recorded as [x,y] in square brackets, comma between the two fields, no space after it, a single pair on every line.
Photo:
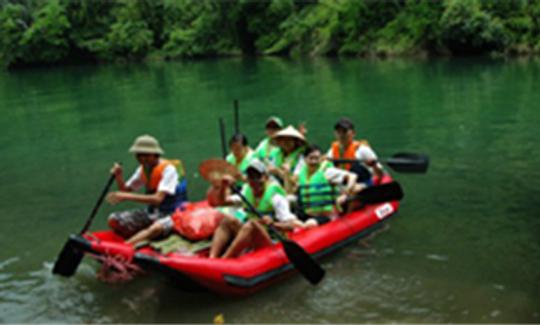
[129,36]
[14,21]
[467,29]
[195,28]
[46,38]
[90,22]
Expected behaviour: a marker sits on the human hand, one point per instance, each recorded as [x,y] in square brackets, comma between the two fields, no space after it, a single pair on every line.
[114,198]
[310,223]
[227,180]
[272,169]
[116,169]
[341,199]
[267,220]
[302,128]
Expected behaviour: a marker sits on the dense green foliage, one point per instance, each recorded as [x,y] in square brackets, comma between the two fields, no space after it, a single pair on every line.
[51,31]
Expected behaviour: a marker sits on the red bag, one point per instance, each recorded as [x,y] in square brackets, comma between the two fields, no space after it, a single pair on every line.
[196,221]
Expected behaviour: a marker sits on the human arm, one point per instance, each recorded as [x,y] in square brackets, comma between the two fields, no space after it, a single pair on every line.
[219,193]
[284,218]
[345,180]
[151,199]
[166,186]
[369,158]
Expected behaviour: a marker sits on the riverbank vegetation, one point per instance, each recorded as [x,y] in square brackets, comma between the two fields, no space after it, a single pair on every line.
[65,31]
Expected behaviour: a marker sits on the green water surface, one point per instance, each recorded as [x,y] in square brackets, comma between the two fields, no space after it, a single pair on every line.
[464,247]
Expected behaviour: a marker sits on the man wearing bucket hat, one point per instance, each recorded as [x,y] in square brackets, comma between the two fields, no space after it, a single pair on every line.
[345,147]
[272,126]
[287,159]
[165,189]
[245,230]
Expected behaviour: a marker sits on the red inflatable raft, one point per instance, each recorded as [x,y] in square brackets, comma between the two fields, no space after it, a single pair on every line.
[252,271]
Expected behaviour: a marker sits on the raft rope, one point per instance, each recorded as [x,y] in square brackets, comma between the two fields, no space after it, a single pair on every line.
[115,268]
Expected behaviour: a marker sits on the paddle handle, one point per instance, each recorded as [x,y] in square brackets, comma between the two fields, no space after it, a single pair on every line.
[222,134]
[271,228]
[236,117]
[347,161]
[98,204]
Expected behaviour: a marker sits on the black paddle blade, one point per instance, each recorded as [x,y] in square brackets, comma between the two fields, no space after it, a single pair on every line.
[380,193]
[408,162]
[303,262]
[68,261]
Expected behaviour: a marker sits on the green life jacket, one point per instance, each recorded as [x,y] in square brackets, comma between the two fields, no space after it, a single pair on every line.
[264,206]
[244,164]
[316,195]
[264,149]
[278,158]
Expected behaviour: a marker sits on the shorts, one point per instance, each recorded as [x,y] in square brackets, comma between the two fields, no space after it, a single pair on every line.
[238,213]
[128,223]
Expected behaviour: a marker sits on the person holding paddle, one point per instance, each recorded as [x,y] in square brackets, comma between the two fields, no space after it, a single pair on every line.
[164,183]
[245,230]
[345,147]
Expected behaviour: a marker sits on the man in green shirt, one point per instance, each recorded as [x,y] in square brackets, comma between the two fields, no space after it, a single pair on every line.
[265,195]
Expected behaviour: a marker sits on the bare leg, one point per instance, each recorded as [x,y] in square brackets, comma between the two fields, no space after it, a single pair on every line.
[228,228]
[153,231]
[252,234]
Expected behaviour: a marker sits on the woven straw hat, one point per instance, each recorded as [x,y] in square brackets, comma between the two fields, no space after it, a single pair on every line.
[214,169]
[146,144]
[289,132]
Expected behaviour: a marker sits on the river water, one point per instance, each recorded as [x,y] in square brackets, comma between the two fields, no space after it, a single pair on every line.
[463,248]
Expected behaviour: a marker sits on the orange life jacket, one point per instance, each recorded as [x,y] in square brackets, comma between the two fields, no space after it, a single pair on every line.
[348,153]
[157,174]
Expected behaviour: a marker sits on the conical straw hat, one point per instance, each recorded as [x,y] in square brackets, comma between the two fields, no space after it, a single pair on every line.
[289,132]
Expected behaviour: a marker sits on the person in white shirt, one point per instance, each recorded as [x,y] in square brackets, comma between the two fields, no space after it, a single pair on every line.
[346,147]
[165,189]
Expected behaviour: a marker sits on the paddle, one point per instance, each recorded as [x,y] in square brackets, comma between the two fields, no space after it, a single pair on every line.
[378,194]
[404,162]
[236,118]
[222,134]
[301,260]
[70,257]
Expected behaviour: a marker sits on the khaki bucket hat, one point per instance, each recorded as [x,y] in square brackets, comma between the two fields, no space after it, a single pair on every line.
[146,144]
[289,132]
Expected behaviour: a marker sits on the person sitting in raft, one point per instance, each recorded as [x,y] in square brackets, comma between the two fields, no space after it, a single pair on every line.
[165,189]
[287,159]
[347,148]
[320,186]
[273,125]
[241,154]
[245,230]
